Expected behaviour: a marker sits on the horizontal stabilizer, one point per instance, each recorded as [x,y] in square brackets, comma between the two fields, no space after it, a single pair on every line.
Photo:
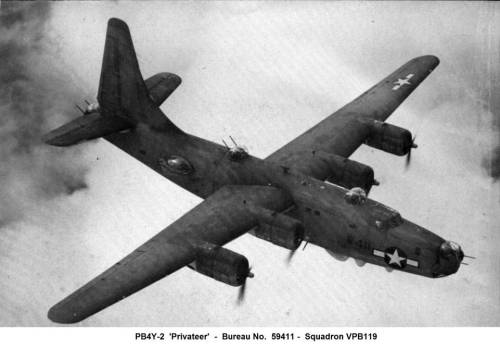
[160,86]
[87,127]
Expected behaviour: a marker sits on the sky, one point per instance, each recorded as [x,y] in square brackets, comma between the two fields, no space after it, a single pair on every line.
[262,73]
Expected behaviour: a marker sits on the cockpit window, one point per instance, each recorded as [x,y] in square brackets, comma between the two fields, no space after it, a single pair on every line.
[386,218]
[176,164]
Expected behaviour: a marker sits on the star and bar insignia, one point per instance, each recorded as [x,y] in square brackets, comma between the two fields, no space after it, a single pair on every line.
[395,257]
[400,82]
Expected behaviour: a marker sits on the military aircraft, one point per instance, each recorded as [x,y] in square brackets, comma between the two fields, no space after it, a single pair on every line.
[306,191]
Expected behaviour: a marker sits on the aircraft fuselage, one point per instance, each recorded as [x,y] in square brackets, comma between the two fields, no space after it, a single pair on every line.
[329,221]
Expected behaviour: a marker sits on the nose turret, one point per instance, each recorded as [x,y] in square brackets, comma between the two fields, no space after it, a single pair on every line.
[450,257]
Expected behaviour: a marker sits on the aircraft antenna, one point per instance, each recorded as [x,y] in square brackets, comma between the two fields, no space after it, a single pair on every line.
[470,257]
[225,144]
[81,110]
[87,102]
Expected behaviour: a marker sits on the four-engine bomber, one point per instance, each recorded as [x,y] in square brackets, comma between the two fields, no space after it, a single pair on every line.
[308,190]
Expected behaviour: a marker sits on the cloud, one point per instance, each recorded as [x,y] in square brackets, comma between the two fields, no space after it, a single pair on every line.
[35,92]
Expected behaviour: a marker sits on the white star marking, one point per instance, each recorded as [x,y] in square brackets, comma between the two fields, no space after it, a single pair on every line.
[395,258]
[382,254]
[400,82]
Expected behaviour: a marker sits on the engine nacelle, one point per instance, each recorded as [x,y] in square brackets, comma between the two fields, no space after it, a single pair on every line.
[278,229]
[287,239]
[161,85]
[389,138]
[349,173]
[221,264]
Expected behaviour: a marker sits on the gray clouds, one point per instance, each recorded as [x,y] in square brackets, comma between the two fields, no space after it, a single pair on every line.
[36,93]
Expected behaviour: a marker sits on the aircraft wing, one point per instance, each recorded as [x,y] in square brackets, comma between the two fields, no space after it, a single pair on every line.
[219,219]
[345,130]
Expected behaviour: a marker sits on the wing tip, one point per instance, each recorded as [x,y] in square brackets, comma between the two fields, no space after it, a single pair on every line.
[52,138]
[429,60]
[117,23]
[58,314]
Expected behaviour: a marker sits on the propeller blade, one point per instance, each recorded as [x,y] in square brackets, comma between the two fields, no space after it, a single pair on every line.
[408,155]
[241,292]
[408,159]
[290,256]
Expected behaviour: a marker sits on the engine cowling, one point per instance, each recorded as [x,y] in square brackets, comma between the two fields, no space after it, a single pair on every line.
[161,85]
[389,138]
[221,264]
[349,173]
[287,239]
[279,229]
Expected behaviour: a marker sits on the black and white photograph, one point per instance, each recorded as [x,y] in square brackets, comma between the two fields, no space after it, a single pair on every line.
[249,164]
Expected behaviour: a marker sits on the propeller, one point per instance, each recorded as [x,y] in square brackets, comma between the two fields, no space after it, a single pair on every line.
[290,256]
[408,155]
[292,252]
[241,291]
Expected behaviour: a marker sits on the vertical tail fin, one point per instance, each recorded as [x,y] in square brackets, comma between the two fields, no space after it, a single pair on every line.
[123,96]
[122,91]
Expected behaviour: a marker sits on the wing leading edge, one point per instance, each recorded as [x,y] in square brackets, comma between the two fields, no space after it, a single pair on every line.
[219,219]
[345,130]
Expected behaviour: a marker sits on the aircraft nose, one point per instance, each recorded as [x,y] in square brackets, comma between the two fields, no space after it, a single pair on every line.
[450,258]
